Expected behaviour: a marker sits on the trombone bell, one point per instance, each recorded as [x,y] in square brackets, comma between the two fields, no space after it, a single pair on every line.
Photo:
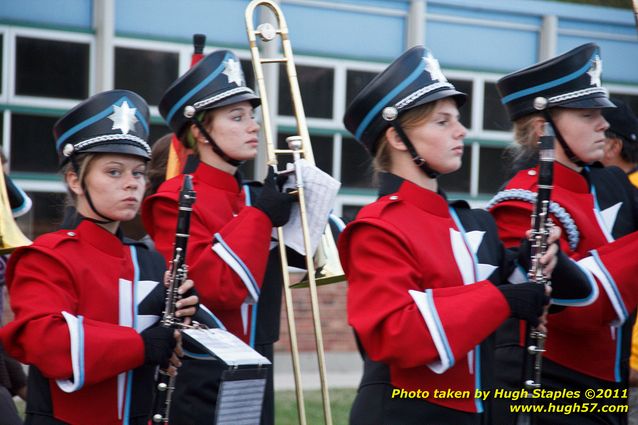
[327,265]
[11,237]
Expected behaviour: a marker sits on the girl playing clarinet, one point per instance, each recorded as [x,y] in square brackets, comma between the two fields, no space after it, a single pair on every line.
[86,300]
[428,278]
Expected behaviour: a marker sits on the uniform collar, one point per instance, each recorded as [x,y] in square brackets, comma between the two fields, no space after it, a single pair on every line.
[427,200]
[217,178]
[569,179]
[100,238]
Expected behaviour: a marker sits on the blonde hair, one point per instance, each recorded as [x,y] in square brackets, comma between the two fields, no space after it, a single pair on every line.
[523,152]
[83,162]
[412,118]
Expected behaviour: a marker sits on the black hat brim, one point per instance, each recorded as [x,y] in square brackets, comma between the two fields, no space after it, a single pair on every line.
[459,97]
[587,103]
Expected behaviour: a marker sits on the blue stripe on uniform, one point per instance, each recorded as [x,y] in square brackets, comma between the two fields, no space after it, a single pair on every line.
[81,348]
[614,287]
[219,239]
[129,375]
[429,297]
[477,377]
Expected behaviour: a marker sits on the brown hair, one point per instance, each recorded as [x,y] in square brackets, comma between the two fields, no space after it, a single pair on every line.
[156,172]
[408,120]
[188,141]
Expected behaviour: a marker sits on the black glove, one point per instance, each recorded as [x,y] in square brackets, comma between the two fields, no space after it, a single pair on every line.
[159,344]
[526,300]
[275,204]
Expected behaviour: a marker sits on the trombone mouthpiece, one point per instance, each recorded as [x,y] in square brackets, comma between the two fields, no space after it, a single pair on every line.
[294,142]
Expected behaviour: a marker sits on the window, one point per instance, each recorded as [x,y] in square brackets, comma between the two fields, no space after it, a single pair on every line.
[355,82]
[494,168]
[458,181]
[32,145]
[146,72]
[465,86]
[356,165]
[322,150]
[316,86]
[49,68]
[494,113]
[45,216]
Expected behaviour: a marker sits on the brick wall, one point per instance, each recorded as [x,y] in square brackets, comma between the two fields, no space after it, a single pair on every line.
[337,334]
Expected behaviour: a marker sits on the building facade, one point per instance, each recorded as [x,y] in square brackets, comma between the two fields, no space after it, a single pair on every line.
[54,53]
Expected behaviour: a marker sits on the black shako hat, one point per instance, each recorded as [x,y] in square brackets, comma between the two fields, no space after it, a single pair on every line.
[571,80]
[217,80]
[622,121]
[413,79]
[115,121]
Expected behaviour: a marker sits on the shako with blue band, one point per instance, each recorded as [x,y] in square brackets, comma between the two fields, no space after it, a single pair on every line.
[413,79]
[114,121]
[571,80]
[217,80]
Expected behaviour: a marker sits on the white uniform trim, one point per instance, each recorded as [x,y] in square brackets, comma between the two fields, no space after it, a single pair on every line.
[425,303]
[76,332]
[234,262]
[594,265]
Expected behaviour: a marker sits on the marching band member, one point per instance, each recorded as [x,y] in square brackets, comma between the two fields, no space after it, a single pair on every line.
[211,110]
[86,300]
[587,347]
[427,278]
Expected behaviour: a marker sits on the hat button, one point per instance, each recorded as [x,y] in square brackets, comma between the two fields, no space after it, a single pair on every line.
[532,172]
[68,149]
[70,233]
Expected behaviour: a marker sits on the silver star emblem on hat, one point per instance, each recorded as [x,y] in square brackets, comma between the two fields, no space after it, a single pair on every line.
[595,71]
[432,66]
[232,70]
[123,118]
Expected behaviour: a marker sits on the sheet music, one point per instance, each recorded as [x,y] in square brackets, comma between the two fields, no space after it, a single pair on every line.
[321,191]
[226,346]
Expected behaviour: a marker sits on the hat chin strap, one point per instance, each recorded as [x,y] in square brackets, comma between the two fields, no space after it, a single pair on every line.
[568,151]
[416,158]
[106,220]
[211,142]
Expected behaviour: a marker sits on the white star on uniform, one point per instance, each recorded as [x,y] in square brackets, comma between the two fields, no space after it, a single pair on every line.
[432,66]
[233,71]
[595,71]
[123,117]
[465,249]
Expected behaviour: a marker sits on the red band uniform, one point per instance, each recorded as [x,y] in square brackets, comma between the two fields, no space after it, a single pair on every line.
[81,298]
[229,250]
[426,277]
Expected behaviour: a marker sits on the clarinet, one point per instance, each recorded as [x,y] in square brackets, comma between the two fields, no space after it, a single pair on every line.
[535,341]
[165,383]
